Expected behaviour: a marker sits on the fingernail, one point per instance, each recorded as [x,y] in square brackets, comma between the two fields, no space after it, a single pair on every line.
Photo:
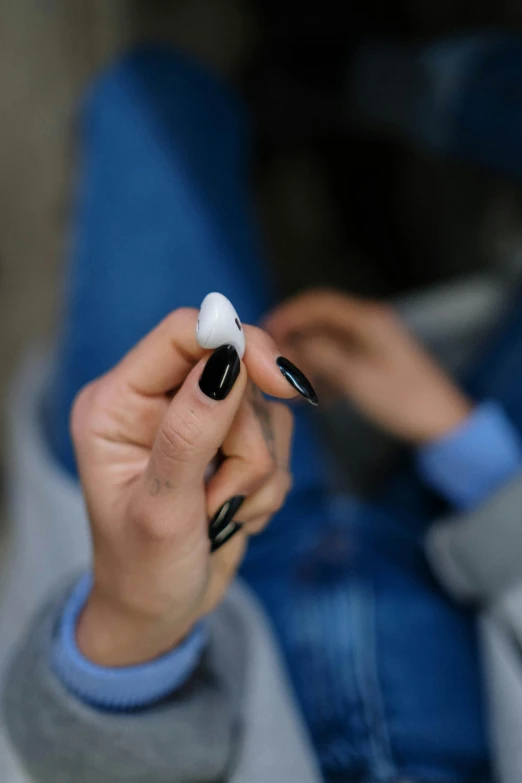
[225,535]
[225,515]
[298,380]
[220,373]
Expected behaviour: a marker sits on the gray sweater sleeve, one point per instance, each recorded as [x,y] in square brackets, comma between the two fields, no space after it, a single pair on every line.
[60,739]
[194,736]
[478,555]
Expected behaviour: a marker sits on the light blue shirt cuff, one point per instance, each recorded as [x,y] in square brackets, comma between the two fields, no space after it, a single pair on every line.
[474,460]
[124,688]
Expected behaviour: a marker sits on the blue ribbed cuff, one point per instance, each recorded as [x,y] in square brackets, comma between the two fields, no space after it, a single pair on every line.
[474,460]
[124,688]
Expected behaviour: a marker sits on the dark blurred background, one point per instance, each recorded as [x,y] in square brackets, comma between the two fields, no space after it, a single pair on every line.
[341,203]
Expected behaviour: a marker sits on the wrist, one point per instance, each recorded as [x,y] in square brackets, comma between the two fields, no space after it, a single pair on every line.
[445,417]
[475,459]
[123,687]
[111,635]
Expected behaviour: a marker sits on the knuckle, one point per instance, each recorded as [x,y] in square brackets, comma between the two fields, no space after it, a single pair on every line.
[154,527]
[157,523]
[82,412]
[146,522]
[275,496]
[287,482]
[178,318]
[178,437]
[257,526]
[264,467]
[105,392]
[261,464]
[274,500]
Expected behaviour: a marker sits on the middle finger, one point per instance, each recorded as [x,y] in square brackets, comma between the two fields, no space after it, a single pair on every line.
[256,449]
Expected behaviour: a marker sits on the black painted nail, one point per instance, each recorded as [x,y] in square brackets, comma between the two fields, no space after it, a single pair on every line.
[220,373]
[225,535]
[225,515]
[298,380]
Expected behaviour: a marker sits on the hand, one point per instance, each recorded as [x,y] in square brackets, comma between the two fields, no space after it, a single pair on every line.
[363,351]
[142,456]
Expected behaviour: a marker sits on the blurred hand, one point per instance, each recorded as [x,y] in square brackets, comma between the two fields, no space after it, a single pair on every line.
[143,455]
[363,351]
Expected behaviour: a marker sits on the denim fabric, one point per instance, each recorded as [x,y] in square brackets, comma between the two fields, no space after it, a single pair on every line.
[384,665]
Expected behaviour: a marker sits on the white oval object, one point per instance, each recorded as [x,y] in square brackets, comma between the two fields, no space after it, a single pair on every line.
[219,324]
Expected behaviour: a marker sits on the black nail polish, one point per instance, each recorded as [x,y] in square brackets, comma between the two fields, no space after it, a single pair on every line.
[225,535]
[225,515]
[220,373]
[298,380]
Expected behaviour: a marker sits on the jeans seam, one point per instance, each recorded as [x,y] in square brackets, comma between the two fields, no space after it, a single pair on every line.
[382,766]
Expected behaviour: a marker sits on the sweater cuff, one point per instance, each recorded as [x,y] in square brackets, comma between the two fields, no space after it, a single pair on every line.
[475,460]
[119,688]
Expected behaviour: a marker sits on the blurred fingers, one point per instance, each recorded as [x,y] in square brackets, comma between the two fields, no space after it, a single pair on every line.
[309,311]
[261,507]
[257,452]
[224,564]
[327,361]
[359,323]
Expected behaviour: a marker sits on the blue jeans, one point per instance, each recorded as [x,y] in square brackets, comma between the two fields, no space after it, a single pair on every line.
[384,665]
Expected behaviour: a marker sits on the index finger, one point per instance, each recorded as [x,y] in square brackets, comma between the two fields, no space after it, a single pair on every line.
[161,361]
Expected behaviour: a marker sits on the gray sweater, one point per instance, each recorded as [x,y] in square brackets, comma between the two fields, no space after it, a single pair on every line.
[201,733]
[236,720]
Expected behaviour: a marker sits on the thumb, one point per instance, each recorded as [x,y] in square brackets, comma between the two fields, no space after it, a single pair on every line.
[198,419]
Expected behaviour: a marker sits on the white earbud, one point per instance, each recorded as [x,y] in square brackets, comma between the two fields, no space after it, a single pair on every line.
[219,324]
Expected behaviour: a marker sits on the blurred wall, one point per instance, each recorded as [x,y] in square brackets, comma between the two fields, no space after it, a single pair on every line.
[48,48]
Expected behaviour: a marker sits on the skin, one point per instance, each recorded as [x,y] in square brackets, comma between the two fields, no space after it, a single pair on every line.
[363,351]
[142,455]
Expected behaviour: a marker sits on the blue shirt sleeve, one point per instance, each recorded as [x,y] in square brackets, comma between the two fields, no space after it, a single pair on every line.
[476,459]
[123,688]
